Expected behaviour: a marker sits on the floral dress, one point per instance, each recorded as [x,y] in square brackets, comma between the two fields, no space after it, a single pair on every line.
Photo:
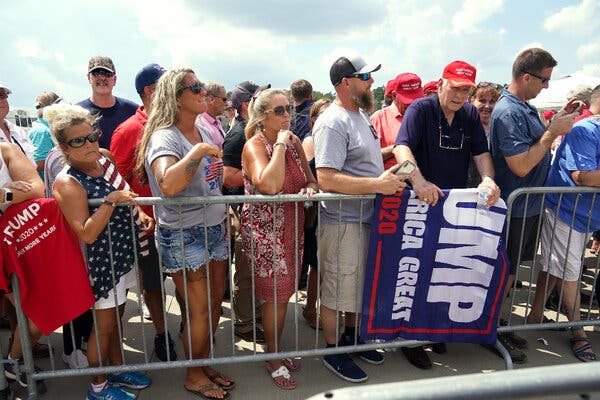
[273,236]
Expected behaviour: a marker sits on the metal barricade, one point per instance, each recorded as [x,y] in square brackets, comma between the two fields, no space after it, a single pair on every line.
[140,359]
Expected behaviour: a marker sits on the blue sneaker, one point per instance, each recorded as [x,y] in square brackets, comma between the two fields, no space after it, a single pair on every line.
[131,380]
[109,393]
[370,356]
[344,367]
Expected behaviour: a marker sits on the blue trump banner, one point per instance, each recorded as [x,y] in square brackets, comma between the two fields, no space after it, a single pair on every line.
[434,273]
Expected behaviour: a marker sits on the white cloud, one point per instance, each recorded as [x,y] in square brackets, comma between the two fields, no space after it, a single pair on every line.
[576,20]
[474,13]
[591,69]
[588,51]
[28,47]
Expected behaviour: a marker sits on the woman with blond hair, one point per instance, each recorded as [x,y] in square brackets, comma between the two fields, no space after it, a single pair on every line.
[273,162]
[179,160]
[87,176]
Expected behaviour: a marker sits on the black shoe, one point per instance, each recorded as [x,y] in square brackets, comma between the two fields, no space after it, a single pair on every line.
[516,355]
[371,356]
[516,340]
[439,348]
[163,345]
[14,373]
[519,284]
[249,335]
[417,357]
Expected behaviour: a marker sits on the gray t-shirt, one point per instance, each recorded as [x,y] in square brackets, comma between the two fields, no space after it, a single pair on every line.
[207,181]
[346,141]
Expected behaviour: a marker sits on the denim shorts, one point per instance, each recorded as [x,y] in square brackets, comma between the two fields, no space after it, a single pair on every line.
[194,253]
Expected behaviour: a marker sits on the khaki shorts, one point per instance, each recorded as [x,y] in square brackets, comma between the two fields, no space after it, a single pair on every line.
[561,255]
[343,271]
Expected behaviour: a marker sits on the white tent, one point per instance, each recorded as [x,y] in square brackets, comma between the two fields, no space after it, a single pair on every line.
[556,95]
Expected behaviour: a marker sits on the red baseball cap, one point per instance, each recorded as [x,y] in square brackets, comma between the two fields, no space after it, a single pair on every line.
[460,73]
[548,114]
[430,87]
[390,88]
[408,87]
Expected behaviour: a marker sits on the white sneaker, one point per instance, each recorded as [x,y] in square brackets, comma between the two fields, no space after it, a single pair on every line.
[76,359]
[146,312]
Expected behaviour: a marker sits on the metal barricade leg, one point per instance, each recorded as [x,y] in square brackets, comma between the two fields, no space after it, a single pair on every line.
[6,392]
[33,386]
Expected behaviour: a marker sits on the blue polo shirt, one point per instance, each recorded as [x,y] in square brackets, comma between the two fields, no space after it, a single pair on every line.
[515,127]
[578,151]
[443,159]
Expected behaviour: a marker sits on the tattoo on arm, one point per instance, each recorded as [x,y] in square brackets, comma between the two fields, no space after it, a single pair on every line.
[191,167]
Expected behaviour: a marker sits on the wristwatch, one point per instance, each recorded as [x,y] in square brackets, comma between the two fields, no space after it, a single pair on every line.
[109,203]
[8,196]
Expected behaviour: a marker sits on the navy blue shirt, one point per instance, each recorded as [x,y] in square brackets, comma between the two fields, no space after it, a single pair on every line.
[111,117]
[232,151]
[300,123]
[515,127]
[443,159]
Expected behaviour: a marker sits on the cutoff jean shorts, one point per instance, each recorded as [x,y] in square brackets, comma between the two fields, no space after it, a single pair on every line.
[200,245]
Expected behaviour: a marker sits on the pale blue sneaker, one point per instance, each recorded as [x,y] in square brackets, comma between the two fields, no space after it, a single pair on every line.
[131,380]
[109,393]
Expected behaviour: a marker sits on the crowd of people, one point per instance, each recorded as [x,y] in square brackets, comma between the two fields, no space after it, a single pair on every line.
[188,139]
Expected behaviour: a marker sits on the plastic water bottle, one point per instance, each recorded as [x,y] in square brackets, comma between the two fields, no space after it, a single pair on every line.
[482,197]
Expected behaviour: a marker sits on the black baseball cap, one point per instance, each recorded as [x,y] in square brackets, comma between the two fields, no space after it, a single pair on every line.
[345,67]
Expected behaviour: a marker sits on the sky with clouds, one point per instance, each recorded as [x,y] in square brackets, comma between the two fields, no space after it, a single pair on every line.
[47,43]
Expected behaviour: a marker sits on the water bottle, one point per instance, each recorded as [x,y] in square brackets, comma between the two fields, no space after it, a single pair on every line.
[482,197]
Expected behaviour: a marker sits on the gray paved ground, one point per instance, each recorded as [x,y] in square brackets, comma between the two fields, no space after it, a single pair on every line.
[253,382]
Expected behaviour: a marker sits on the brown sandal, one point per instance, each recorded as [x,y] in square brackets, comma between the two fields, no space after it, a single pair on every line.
[204,389]
[216,376]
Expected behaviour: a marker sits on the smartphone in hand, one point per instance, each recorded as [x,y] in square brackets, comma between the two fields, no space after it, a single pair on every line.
[405,168]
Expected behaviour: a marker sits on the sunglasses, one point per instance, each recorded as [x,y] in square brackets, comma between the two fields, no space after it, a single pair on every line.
[365,76]
[281,110]
[217,97]
[486,84]
[195,87]
[4,94]
[102,72]
[541,78]
[80,140]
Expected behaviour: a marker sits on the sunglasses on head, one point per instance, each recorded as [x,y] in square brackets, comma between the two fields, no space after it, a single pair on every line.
[195,87]
[486,84]
[79,141]
[541,78]
[281,110]
[102,72]
[365,76]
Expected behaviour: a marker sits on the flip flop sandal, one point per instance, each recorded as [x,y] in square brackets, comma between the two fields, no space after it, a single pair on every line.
[204,389]
[580,352]
[230,383]
[291,364]
[285,373]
